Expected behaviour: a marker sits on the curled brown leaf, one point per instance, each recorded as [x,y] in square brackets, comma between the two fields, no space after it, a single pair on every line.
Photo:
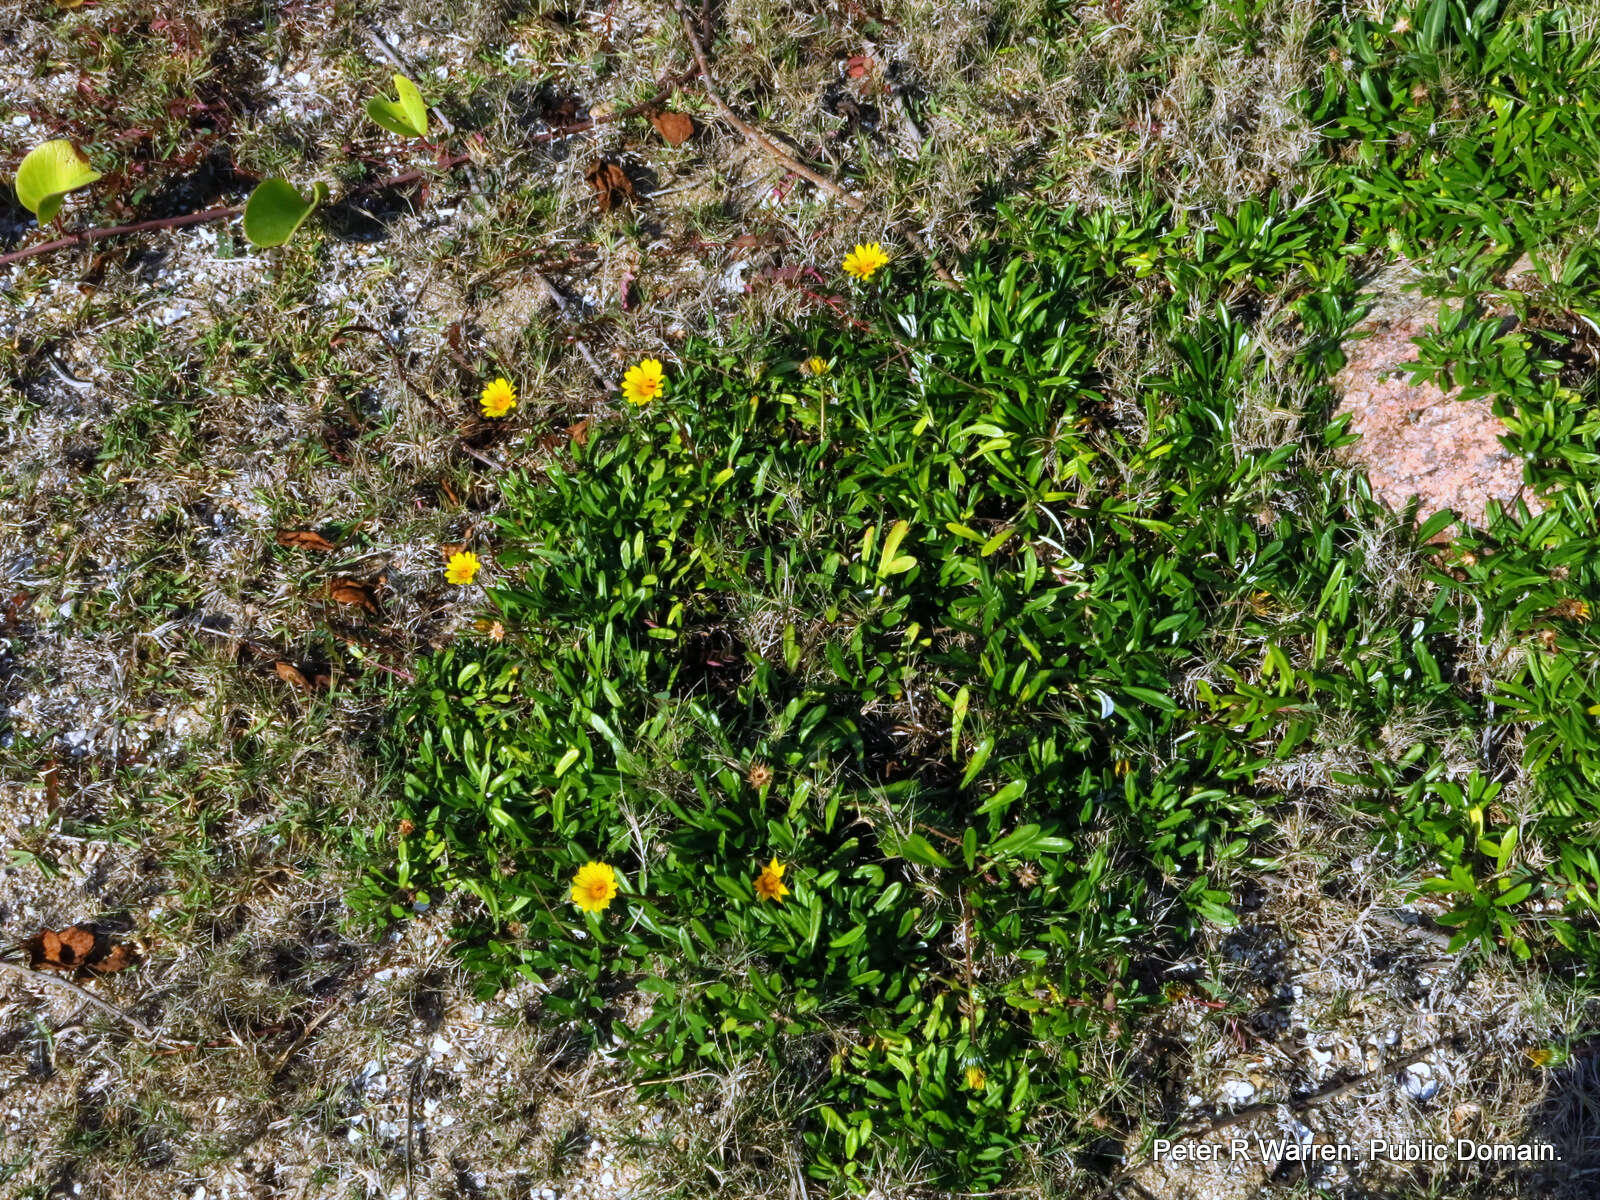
[305,539]
[611,184]
[79,947]
[353,592]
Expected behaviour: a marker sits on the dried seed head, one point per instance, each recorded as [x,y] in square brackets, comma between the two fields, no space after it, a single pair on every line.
[759,775]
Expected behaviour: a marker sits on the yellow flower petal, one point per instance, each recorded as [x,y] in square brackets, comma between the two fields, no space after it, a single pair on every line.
[865,261]
[499,397]
[643,382]
[594,886]
[462,567]
[769,884]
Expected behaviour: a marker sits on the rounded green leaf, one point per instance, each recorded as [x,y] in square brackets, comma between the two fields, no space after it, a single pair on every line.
[49,172]
[407,116]
[276,209]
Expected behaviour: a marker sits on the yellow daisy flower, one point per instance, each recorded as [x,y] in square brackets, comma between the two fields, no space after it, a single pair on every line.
[462,567]
[769,884]
[594,886]
[499,397]
[864,261]
[976,1080]
[643,382]
[817,365]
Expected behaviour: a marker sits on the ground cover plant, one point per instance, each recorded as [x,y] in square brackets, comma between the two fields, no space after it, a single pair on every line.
[997,664]
[881,705]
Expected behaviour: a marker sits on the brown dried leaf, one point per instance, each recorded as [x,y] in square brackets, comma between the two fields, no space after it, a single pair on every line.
[611,184]
[52,785]
[76,948]
[353,592]
[579,431]
[290,674]
[675,128]
[115,958]
[306,539]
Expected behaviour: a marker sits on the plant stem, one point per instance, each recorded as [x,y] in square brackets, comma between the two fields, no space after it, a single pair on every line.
[84,237]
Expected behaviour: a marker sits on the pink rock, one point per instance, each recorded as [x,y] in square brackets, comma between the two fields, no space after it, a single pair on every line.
[1418,440]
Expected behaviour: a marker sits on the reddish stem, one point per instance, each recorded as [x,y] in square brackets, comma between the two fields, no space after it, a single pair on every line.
[86,236]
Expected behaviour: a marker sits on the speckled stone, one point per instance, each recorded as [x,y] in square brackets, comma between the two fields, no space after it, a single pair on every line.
[1417,440]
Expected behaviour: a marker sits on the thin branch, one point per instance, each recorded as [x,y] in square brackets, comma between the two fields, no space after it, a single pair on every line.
[751,134]
[411,1118]
[111,1010]
[763,142]
[561,302]
[86,236]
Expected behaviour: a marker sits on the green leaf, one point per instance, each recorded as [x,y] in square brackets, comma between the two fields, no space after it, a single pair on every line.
[275,210]
[888,564]
[919,850]
[49,172]
[407,116]
[958,714]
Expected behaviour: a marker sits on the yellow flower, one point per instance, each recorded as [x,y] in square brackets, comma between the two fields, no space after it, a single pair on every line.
[1541,1057]
[863,262]
[594,886]
[499,397]
[462,567]
[643,383]
[817,365]
[976,1079]
[769,884]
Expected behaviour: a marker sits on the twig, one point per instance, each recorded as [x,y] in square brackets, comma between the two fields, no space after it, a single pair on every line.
[560,301]
[84,237]
[111,1010]
[483,458]
[411,1111]
[751,134]
[66,377]
[762,141]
